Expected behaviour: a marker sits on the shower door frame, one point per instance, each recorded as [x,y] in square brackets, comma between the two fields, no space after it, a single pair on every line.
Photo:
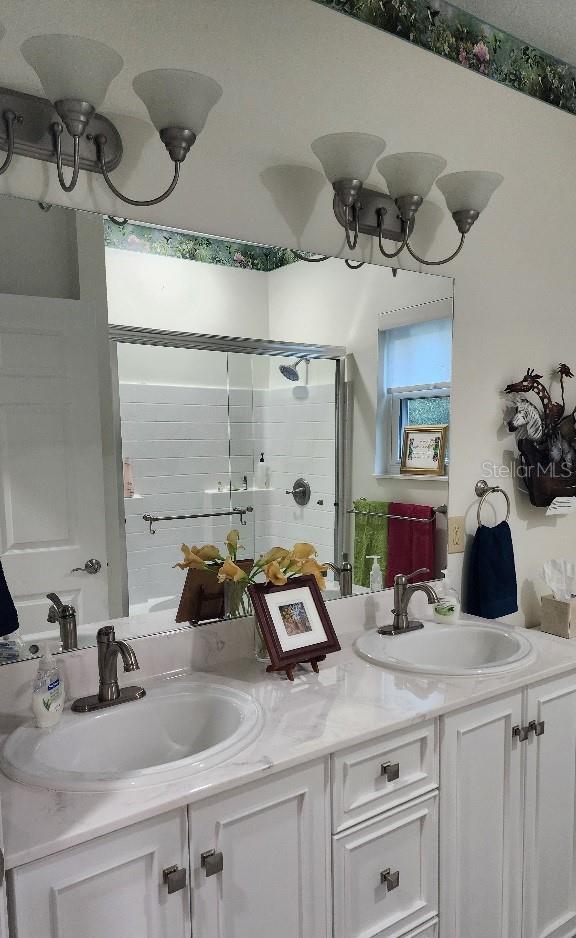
[136,335]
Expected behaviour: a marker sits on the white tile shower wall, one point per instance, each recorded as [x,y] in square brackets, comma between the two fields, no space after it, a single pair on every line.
[177,440]
[295,429]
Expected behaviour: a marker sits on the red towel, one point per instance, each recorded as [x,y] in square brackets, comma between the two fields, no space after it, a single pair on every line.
[411,544]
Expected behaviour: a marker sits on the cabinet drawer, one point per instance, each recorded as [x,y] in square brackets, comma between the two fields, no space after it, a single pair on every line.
[386,873]
[373,777]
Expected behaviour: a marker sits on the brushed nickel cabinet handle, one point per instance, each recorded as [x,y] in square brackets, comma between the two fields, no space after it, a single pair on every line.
[521,733]
[391,771]
[536,727]
[174,878]
[212,862]
[390,879]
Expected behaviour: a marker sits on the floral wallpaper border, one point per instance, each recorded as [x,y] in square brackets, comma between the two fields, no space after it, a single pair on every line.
[129,236]
[443,28]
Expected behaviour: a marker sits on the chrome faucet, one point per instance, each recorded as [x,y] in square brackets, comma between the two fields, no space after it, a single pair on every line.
[65,615]
[109,692]
[343,575]
[403,592]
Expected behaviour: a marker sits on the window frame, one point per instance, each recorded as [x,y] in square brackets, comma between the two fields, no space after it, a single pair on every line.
[392,416]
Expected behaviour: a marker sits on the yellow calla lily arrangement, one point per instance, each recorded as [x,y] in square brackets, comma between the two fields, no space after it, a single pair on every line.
[278,565]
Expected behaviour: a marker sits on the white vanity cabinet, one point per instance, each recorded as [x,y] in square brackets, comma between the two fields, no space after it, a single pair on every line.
[111,886]
[260,859]
[508,783]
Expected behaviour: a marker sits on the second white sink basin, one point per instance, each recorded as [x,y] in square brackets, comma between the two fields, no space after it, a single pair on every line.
[461,649]
[177,730]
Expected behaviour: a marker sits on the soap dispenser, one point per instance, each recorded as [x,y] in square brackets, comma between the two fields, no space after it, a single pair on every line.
[376,582]
[48,694]
[447,609]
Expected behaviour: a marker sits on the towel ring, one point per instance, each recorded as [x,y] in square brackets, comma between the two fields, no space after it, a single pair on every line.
[483,491]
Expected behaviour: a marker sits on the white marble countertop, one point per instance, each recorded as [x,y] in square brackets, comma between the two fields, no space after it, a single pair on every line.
[349,702]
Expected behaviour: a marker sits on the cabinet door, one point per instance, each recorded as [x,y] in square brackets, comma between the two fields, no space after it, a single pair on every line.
[481,821]
[549,839]
[111,886]
[273,841]
[3,904]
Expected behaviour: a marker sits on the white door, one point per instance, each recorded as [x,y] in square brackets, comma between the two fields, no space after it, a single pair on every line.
[481,821]
[550,815]
[112,886]
[271,841]
[51,477]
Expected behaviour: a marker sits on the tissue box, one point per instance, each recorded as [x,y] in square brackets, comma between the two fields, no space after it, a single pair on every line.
[559,617]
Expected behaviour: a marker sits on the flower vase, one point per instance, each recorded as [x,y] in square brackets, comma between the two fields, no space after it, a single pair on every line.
[236,600]
[260,647]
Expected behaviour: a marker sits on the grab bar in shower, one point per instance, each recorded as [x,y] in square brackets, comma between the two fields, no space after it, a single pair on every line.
[239,512]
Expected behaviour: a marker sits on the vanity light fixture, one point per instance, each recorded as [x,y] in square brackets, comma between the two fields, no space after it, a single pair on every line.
[348,159]
[64,128]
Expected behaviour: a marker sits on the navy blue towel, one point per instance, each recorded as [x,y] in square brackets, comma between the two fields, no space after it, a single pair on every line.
[8,615]
[492,589]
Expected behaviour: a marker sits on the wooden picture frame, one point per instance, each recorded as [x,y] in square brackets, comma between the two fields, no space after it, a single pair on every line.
[294,622]
[424,450]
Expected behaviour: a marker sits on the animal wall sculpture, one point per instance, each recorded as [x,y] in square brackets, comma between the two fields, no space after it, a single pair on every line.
[545,436]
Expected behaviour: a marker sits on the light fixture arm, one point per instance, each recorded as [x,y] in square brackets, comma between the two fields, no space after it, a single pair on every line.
[100,141]
[390,255]
[445,260]
[57,130]
[10,118]
[352,243]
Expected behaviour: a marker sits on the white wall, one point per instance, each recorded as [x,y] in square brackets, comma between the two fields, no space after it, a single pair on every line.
[285,68]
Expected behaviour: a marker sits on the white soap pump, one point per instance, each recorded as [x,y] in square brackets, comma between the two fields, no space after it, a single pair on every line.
[376,582]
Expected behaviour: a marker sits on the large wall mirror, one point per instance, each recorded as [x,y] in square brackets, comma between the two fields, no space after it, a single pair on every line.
[160,388]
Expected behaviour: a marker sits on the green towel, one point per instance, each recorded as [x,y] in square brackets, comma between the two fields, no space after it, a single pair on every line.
[370,537]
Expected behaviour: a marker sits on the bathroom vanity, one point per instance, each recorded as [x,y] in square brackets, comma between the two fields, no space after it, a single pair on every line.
[371,802]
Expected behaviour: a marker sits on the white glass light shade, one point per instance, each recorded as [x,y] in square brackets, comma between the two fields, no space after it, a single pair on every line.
[348,155]
[176,97]
[411,173]
[72,67]
[468,190]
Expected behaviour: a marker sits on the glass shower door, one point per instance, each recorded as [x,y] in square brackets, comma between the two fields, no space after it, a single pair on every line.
[174,409]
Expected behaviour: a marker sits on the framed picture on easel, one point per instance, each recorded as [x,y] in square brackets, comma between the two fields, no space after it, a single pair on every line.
[294,622]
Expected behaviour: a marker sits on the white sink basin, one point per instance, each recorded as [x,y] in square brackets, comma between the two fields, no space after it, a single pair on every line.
[459,649]
[177,730]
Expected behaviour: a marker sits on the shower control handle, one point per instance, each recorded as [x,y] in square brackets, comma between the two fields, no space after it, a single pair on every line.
[300,492]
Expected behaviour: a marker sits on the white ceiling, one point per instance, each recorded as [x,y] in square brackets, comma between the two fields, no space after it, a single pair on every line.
[548,25]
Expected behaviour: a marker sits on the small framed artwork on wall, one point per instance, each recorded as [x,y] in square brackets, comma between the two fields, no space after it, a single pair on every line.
[424,450]
[295,623]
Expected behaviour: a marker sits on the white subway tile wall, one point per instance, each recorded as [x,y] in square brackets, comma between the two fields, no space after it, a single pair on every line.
[182,441]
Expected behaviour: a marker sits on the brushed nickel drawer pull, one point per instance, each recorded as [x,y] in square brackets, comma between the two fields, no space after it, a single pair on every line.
[391,770]
[212,862]
[390,879]
[174,878]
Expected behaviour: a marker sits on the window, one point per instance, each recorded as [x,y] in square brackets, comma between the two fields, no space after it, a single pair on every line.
[415,371]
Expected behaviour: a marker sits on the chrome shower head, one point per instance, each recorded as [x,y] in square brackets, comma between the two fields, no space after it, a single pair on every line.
[291,371]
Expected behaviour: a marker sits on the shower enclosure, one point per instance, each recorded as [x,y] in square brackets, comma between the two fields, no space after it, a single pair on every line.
[218,434]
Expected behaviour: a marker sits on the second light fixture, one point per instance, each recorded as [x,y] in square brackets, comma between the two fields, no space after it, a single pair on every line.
[348,159]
